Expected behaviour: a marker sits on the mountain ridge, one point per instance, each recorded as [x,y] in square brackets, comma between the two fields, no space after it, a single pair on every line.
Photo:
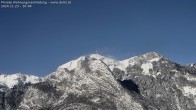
[144,82]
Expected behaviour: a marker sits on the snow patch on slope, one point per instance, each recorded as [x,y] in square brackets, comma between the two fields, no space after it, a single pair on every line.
[111,63]
[14,79]
[72,64]
[149,57]
[187,90]
[190,77]
[146,68]
[128,62]
[154,60]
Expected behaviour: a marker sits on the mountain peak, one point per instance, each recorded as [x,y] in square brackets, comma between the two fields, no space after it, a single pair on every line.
[96,56]
[99,57]
[101,82]
[72,64]
[152,55]
[14,79]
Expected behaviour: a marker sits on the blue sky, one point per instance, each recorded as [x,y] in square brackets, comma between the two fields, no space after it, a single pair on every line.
[39,39]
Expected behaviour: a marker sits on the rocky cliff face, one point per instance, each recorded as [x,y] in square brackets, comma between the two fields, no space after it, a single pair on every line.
[146,82]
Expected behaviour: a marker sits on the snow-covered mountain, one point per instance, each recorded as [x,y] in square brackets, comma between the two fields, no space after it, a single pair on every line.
[15,79]
[145,82]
